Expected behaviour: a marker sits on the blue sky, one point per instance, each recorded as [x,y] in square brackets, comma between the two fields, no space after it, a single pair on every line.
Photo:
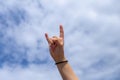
[92,41]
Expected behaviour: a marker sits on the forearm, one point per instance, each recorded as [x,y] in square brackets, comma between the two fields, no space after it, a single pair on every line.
[66,71]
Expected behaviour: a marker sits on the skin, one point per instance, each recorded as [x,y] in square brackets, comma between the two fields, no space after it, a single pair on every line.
[56,48]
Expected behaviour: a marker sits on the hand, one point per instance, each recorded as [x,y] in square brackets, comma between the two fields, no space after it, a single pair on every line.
[56,46]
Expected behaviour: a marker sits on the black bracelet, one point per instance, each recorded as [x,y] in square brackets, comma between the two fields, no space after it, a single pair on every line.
[61,62]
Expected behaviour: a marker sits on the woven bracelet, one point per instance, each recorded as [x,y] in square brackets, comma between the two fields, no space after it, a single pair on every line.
[61,62]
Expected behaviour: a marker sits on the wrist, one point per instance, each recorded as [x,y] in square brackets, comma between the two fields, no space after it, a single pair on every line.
[60,60]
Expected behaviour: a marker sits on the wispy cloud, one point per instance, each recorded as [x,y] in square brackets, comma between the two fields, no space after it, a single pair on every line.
[92,42]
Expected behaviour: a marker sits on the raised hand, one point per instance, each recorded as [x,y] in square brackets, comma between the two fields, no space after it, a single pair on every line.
[56,46]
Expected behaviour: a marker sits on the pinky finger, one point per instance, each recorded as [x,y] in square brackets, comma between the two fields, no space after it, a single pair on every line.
[47,38]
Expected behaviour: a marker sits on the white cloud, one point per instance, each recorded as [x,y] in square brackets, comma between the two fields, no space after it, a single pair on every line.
[30,73]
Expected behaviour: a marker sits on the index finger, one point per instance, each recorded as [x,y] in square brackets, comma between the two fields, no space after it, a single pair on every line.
[61,32]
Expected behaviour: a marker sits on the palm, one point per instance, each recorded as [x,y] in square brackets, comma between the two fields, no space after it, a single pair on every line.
[56,45]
